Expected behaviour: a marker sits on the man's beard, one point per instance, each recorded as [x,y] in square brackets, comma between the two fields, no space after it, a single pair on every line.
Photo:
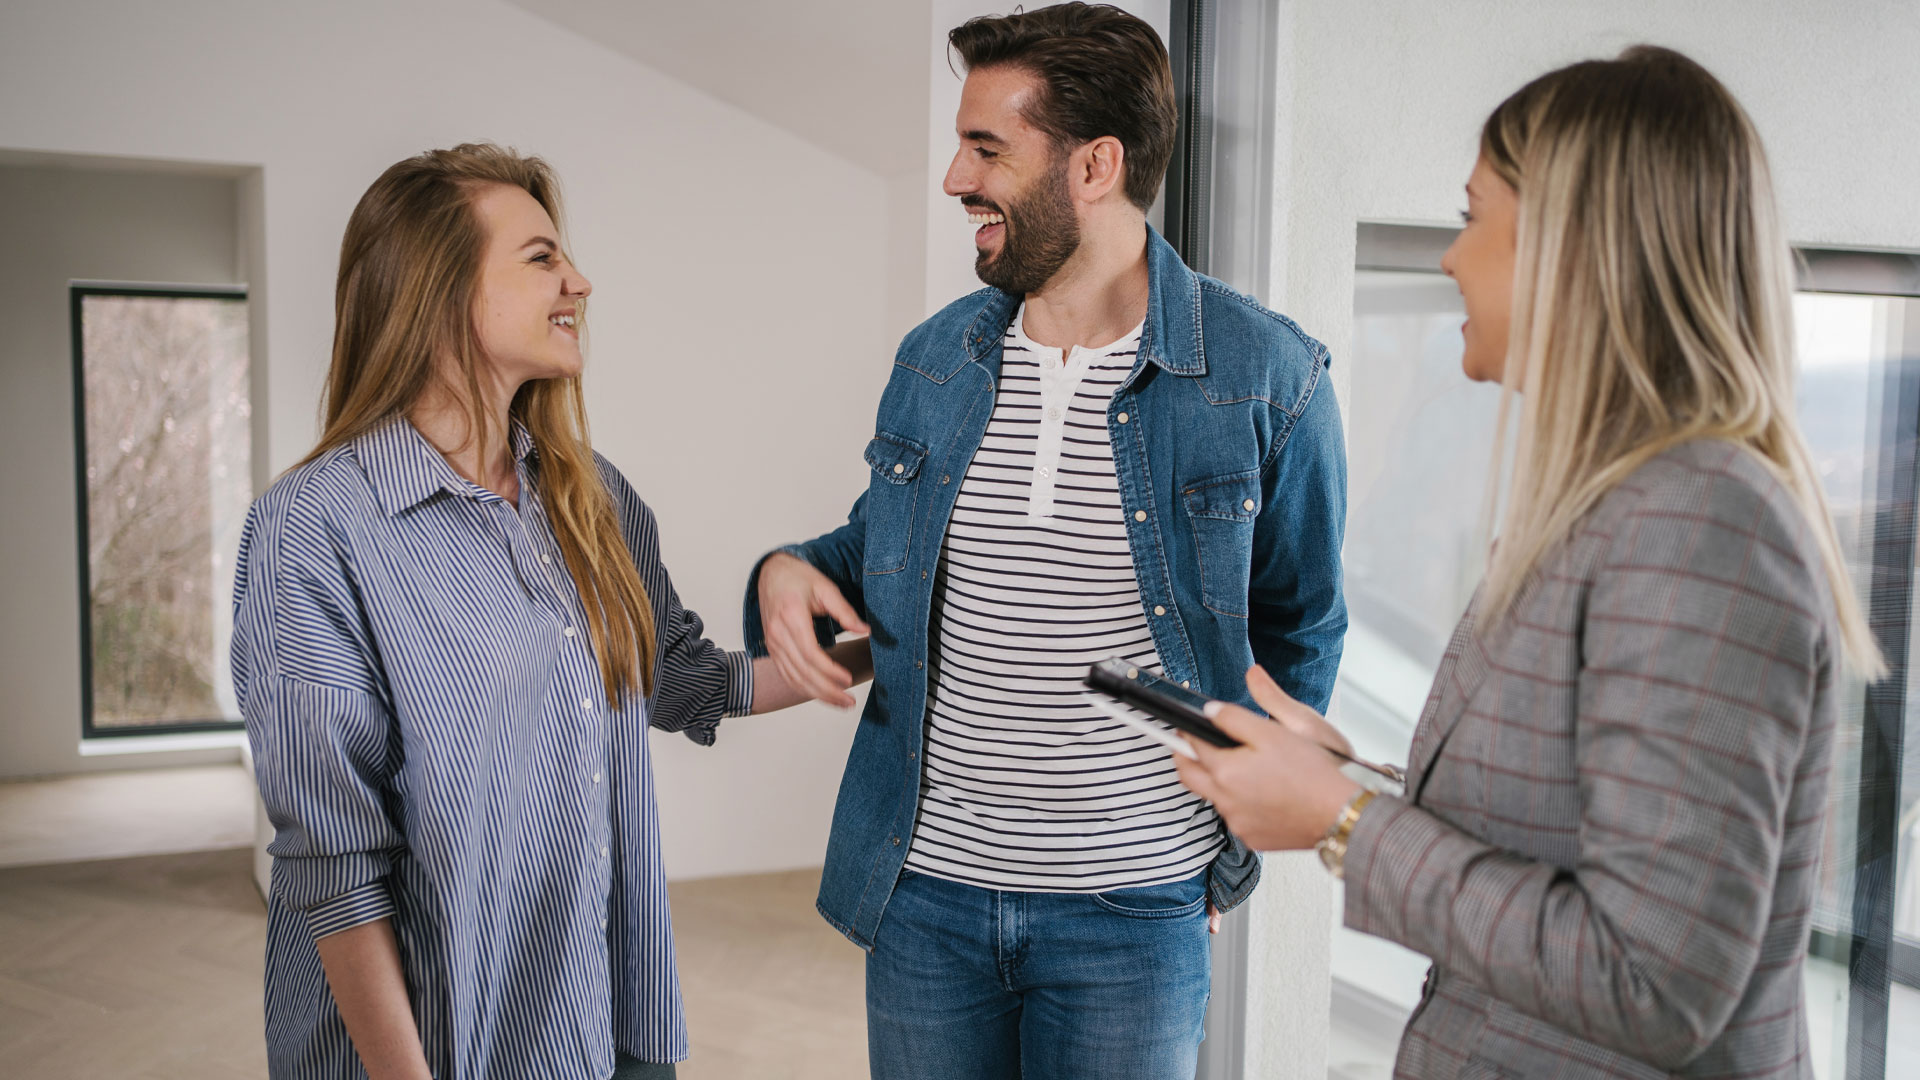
[1040,235]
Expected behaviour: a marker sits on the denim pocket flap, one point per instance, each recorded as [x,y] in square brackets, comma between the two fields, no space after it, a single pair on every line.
[1227,498]
[894,459]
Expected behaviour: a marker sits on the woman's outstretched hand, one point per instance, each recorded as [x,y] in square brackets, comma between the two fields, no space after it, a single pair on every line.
[1280,791]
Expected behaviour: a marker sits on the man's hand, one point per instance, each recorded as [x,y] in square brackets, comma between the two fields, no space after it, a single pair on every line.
[791,594]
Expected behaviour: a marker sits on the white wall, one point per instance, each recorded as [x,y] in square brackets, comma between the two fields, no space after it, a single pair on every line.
[738,343]
[1380,109]
[63,224]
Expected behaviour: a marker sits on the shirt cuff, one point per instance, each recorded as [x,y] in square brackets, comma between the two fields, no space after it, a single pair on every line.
[739,684]
[368,903]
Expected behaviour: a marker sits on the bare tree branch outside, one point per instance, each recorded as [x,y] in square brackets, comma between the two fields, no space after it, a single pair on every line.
[168,483]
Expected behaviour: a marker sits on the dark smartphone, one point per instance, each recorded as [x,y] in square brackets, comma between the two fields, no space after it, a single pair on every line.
[1173,705]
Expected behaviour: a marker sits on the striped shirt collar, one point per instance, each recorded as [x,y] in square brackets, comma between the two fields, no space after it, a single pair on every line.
[406,470]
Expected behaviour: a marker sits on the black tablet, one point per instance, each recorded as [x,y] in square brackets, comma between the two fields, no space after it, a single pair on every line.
[1173,705]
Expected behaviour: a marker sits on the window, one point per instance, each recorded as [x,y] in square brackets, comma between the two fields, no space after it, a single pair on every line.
[162,429]
[1419,450]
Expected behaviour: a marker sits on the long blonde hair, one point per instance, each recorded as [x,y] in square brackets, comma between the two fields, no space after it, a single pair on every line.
[1653,304]
[409,275]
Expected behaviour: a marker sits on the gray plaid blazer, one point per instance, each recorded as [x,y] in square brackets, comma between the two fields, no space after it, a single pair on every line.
[1615,798]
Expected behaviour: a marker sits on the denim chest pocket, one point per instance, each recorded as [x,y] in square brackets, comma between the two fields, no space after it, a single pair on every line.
[1221,512]
[891,500]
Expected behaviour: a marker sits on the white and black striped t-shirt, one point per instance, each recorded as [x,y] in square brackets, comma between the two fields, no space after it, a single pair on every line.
[1026,786]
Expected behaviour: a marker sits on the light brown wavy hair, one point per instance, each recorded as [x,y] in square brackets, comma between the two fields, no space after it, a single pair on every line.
[1653,304]
[404,316]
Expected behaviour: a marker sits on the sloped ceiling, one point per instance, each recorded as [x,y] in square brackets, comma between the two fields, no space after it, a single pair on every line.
[847,75]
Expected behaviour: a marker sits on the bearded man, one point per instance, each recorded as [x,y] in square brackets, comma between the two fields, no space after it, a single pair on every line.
[1101,454]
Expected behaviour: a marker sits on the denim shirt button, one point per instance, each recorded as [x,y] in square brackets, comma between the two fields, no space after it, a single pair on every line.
[1139,515]
[1122,418]
[1158,610]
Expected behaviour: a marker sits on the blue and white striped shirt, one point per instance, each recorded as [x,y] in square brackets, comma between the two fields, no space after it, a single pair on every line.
[434,745]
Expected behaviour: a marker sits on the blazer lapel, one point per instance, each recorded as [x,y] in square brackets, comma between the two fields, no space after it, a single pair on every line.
[1462,669]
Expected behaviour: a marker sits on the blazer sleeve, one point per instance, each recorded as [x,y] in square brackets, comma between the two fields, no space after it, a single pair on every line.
[1705,656]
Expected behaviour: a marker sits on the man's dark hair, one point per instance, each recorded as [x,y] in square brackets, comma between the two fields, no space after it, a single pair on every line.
[1101,71]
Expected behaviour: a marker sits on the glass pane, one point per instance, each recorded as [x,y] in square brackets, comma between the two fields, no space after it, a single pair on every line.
[1419,444]
[169,478]
[1853,350]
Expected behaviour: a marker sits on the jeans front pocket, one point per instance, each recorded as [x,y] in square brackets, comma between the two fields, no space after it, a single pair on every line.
[892,496]
[1170,900]
[1221,511]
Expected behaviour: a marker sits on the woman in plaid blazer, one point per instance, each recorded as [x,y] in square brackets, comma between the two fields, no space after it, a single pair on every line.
[1614,804]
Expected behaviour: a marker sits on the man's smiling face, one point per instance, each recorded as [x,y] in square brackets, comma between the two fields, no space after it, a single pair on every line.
[1011,178]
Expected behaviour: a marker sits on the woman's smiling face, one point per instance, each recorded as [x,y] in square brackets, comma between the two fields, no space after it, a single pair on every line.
[1480,262]
[528,308]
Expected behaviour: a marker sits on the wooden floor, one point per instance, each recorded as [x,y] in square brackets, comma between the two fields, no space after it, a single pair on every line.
[150,968]
[132,969]
[771,990]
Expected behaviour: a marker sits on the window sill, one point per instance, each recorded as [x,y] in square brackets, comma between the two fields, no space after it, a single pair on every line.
[163,744]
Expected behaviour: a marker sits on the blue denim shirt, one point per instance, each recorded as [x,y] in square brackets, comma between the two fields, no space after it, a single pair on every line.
[1232,473]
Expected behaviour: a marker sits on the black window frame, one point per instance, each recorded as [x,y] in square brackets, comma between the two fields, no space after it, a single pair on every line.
[77,293]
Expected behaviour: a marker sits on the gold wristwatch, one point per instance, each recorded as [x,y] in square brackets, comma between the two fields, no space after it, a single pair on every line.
[1333,846]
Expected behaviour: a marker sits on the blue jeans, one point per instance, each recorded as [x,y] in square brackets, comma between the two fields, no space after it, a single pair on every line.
[966,983]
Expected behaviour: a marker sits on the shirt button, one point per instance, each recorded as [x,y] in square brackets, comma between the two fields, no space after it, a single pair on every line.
[1139,515]
[1053,413]
[944,478]
[568,631]
[1122,418]
[545,558]
[919,663]
[1248,504]
[896,841]
[596,778]
[1184,685]
[1048,363]
[603,853]
[1045,472]
[1158,610]
[898,469]
[587,705]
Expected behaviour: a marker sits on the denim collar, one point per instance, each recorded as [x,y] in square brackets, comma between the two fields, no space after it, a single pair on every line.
[1170,338]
